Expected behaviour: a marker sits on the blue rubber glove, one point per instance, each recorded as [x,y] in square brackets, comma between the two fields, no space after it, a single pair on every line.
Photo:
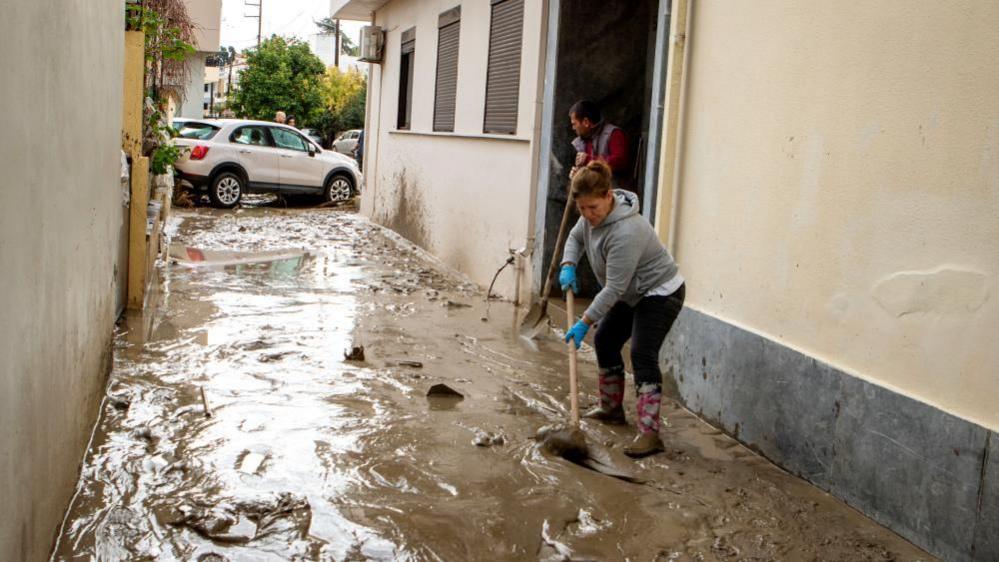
[577,332]
[567,278]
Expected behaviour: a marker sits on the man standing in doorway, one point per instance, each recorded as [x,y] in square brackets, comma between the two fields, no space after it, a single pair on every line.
[598,140]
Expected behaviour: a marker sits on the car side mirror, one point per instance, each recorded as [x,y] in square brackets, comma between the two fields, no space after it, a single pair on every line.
[312,150]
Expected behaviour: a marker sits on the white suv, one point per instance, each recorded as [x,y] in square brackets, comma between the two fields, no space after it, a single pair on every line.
[230,157]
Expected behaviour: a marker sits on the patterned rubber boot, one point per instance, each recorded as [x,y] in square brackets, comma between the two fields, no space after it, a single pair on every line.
[611,386]
[647,442]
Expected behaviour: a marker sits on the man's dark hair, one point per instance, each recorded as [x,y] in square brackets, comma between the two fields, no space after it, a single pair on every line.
[586,109]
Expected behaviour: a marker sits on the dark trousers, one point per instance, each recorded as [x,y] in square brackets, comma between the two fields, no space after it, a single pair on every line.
[646,324]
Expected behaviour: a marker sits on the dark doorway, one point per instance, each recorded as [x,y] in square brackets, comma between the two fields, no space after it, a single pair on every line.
[605,53]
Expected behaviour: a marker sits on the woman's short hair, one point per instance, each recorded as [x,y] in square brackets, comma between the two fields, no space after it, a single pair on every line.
[592,180]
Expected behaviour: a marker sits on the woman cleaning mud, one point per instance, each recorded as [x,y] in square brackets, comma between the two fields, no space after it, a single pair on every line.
[642,294]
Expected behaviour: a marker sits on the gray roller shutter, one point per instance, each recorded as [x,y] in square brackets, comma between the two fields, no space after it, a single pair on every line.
[447,69]
[506,32]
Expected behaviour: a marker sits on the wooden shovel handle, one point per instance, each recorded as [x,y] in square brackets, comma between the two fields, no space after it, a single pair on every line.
[573,383]
[563,233]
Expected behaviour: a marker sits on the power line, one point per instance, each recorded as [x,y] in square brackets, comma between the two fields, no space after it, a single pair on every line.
[260,16]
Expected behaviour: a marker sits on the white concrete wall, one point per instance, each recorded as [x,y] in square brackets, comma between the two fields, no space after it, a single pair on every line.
[839,187]
[193,105]
[464,196]
[60,208]
[207,18]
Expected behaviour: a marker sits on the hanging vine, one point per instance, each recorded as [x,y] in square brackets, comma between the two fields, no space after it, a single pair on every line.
[169,37]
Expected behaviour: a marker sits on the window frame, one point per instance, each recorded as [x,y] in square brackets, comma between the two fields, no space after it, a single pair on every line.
[407,75]
[267,136]
[192,125]
[305,143]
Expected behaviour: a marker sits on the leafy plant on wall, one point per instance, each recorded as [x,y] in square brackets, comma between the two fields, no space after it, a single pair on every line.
[169,34]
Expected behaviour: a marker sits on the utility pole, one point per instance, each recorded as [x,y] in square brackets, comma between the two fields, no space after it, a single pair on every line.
[336,52]
[259,5]
[228,86]
[336,55]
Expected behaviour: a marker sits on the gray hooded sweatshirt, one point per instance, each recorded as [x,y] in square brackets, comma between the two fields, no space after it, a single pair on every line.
[625,255]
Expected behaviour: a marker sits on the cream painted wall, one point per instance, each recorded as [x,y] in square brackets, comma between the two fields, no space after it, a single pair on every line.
[60,209]
[839,186]
[464,196]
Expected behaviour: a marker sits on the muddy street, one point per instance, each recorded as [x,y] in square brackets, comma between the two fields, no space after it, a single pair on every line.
[312,452]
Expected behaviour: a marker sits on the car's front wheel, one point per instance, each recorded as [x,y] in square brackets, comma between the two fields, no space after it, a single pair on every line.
[226,190]
[338,189]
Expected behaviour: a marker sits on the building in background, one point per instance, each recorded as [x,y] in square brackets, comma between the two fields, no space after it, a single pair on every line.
[207,17]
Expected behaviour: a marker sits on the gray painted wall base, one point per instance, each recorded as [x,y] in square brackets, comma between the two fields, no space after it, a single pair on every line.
[929,476]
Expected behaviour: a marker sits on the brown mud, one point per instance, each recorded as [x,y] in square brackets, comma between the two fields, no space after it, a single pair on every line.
[308,455]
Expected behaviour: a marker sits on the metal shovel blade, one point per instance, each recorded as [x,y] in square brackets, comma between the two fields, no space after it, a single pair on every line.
[535,321]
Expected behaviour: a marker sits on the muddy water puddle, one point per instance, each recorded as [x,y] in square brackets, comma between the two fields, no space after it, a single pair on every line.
[310,455]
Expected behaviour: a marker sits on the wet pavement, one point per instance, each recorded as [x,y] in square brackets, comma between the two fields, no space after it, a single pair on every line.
[310,455]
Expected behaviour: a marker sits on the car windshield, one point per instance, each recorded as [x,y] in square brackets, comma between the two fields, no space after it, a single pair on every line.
[195,130]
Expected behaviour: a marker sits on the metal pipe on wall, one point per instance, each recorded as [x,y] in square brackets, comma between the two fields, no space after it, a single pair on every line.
[669,191]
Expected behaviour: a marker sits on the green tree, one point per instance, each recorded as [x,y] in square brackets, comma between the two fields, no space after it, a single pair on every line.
[281,75]
[343,99]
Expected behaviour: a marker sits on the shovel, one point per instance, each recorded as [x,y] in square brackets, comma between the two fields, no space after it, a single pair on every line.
[569,442]
[538,314]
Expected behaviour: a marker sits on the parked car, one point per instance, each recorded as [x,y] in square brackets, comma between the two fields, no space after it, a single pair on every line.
[313,135]
[231,157]
[345,143]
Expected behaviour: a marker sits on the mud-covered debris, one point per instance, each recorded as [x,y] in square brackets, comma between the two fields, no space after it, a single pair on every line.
[285,514]
[444,391]
[119,535]
[455,304]
[413,364]
[205,404]
[356,353]
[268,357]
[119,402]
[488,439]
[723,548]
[145,434]
[212,557]
[250,463]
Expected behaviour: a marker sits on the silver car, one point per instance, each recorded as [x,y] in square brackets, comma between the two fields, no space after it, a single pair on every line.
[347,141]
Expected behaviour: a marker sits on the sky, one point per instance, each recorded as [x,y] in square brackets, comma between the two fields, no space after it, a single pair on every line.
[282,17]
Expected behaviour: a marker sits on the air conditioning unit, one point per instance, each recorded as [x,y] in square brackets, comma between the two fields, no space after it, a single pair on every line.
[372,43]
